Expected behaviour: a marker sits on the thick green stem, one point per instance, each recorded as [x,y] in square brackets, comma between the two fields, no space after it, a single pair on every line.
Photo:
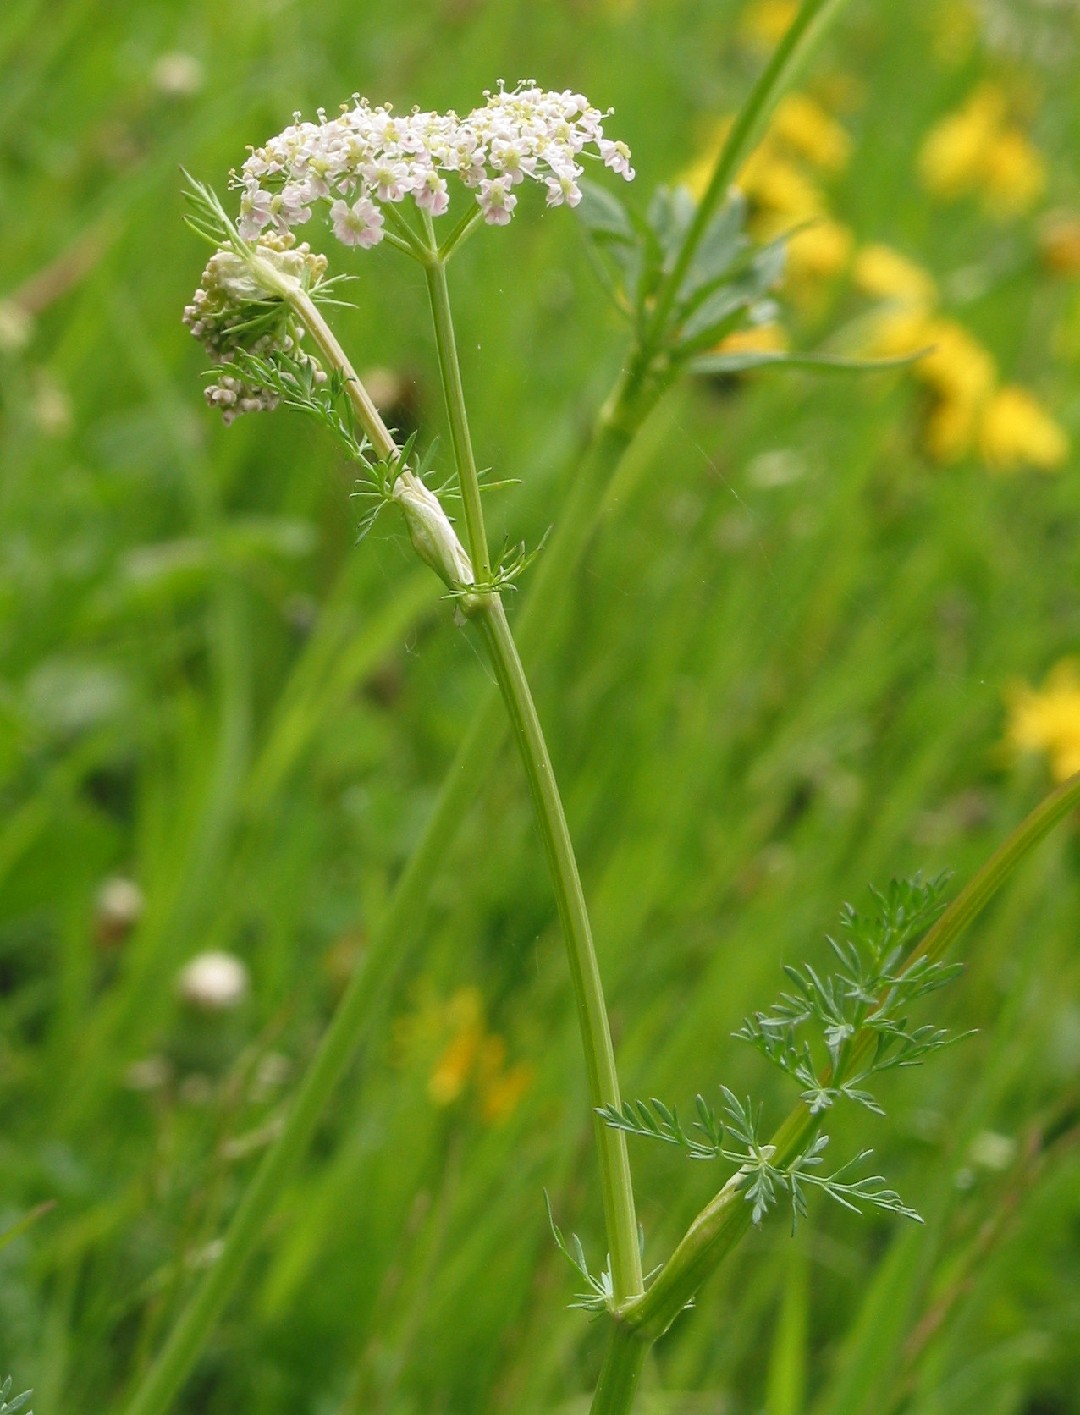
[621,1371]
[615,1182]
[616,1190]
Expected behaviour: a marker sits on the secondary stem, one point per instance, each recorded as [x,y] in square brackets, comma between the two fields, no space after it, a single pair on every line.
[450,371]
[790,54]
[724,1220]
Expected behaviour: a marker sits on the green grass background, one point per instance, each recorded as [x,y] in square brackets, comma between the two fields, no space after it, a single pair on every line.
[767,693]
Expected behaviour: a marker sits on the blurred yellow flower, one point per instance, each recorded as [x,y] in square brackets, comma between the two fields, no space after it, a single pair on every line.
[469,1060]
[1017,431]
[803,125]
[958,372]
[765,22]
[499,1086]
[761,339]
[778,190]
[454,1067]
[952,154]
[957,365]
[883,272]
[781,191]
[820,251]
[1048,720]
[1015,174]
[968,411]
[977,150]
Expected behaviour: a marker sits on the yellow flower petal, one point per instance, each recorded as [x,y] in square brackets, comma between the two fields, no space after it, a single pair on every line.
[761,339]
[952,159]
[455,1066]
[803,125]
[1014,174]
[819,252]
[1048,720]
[1017,431]
[957,365]
[881,271]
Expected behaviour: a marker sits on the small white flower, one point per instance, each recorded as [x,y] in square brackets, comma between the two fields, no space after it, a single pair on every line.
[177,75]
[562,188]
[292,205]
[213,982]
[256,212]
[497,201]
[616,155]
[431,193]
[357,225]
[388,179]
[120,905]
[512,160]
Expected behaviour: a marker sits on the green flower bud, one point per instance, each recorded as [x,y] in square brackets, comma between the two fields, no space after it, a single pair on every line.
[431,532]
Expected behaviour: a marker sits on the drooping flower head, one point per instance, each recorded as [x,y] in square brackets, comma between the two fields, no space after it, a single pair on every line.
[232,314]
[367,157]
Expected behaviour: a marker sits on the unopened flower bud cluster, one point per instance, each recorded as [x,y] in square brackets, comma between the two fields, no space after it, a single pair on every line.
[367,156]
[228,315]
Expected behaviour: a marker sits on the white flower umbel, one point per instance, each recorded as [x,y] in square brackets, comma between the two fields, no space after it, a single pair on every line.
[367,156]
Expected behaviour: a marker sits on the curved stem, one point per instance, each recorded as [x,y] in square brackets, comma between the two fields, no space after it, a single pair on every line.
[615,1179]
[367,415]
[617,1193]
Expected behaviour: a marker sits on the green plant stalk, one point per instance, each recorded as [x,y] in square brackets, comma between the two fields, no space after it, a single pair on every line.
[616,1189]
[396,938]
[790,54]
[725,1219]
[454,395]
[621,1371]
[490,616]
[397,935]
